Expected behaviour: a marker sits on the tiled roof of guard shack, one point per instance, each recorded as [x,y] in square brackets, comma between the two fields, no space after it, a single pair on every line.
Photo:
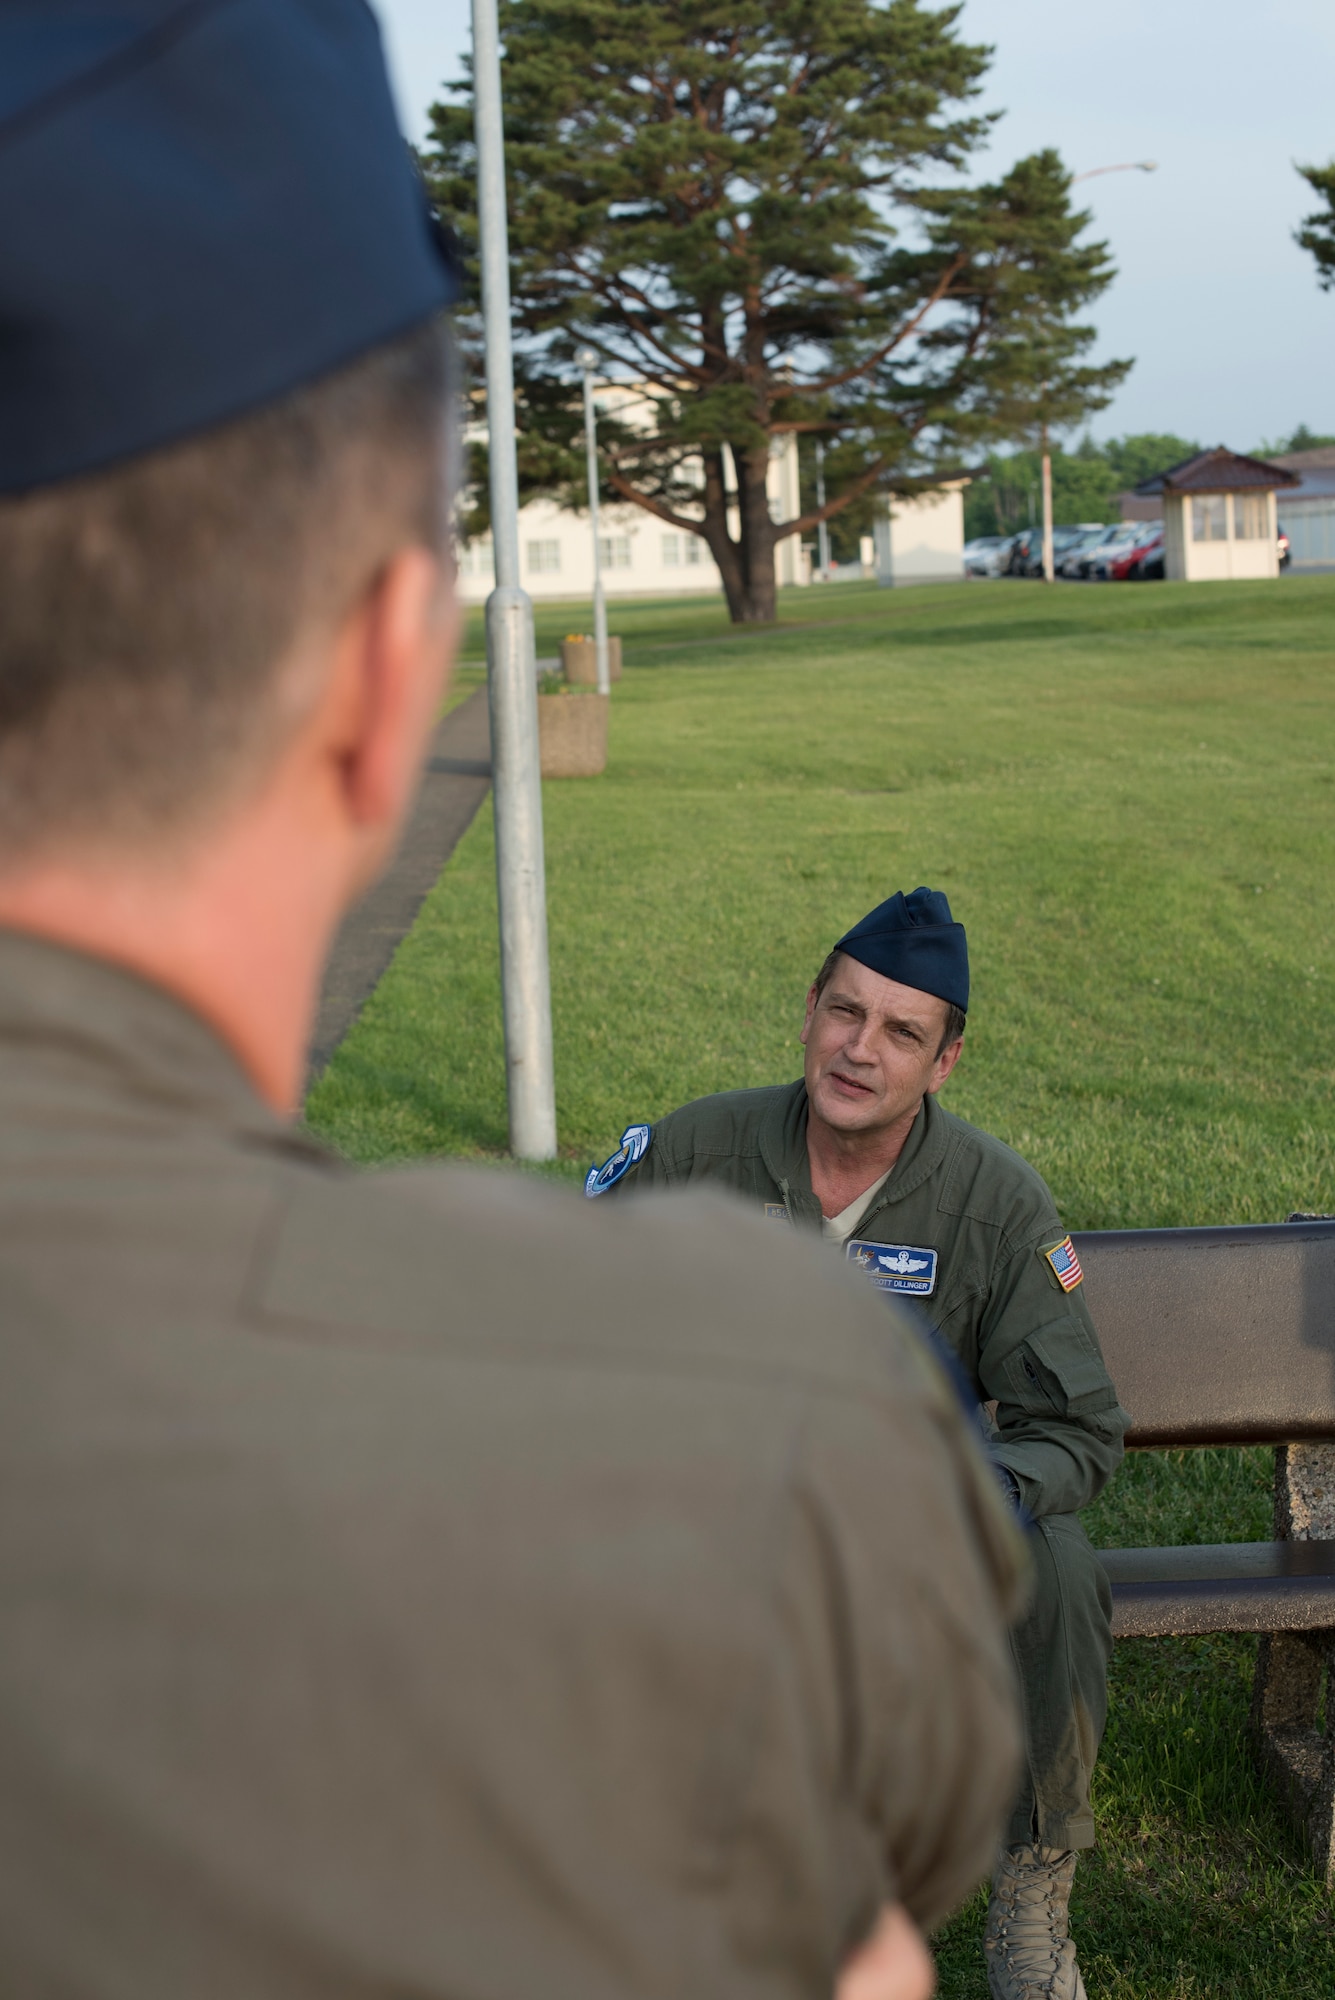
[1219,471]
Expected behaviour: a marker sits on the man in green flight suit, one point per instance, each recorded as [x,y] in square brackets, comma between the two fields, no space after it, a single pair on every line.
[940,1213]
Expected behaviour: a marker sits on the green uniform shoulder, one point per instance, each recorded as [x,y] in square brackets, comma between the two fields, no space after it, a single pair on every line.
[744,1139]
[720,1127]
[985,1180]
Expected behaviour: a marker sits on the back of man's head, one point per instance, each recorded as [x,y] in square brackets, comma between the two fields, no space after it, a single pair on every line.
[150,608]
[222,395]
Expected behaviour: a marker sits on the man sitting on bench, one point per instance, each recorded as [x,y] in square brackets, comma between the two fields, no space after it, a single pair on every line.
[939,1212]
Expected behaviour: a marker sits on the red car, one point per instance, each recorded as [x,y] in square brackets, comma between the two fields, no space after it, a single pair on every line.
[1126,562]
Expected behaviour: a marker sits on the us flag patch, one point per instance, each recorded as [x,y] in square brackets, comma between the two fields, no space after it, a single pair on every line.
[1065,1264]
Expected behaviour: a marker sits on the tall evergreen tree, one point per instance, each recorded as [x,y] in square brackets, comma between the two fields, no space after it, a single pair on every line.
[756,211]
[1317,233]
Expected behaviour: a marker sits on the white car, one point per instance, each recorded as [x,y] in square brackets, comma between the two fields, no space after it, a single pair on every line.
[987,555]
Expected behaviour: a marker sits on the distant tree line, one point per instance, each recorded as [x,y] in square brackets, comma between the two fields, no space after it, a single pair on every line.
[1086,482]
[1299,440]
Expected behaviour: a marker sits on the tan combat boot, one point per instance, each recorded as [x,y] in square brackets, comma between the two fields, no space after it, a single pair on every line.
[1026,1944]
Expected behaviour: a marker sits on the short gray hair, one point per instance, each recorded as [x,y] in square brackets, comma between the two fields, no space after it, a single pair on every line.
[145,609]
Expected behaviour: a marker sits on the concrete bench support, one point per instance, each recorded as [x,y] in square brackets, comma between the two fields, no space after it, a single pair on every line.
[1223,1337]
[1295,1753]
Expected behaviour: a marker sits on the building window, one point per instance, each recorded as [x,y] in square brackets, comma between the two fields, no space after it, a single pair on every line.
[615,551]
[1249,517]
[694,549]
[475,558]
[671,551]
[1209,517]
[544,557]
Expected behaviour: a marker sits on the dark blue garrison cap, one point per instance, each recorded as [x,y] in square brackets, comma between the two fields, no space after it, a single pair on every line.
[203,204]
[913,940]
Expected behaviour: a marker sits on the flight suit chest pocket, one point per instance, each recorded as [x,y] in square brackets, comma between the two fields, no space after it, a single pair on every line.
[1058,1369]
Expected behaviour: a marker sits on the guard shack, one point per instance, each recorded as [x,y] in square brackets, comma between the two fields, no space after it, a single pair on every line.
[1219,516]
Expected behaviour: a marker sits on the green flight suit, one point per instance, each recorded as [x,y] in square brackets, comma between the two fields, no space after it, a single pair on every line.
[423,1583]
[966,1224]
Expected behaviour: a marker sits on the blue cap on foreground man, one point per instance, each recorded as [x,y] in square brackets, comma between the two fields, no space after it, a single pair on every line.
[202,206]
[408,1584]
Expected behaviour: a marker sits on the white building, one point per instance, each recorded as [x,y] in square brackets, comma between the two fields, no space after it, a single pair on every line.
[1307,511]
[921,540]
[641,555]
[1219,516]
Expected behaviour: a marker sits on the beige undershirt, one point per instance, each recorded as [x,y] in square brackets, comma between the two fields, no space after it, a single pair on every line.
[838,1228]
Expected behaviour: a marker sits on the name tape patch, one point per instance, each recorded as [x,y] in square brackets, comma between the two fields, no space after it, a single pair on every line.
[634,1145]
[896,1267]
[1065,1264]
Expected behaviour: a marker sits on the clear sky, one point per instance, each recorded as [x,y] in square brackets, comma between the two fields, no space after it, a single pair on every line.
[1233,341]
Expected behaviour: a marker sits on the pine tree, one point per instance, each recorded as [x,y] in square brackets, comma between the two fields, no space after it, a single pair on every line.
[1318,229]
[756,211]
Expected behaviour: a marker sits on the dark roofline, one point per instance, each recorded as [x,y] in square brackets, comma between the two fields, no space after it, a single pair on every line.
[1219,471]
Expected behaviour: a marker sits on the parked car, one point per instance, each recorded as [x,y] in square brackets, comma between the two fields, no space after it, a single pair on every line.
[986,555]
[1087,539]
[1116,566]
[1093,564]
[1063,539]
[1146,563]
[1027,550]
[1285,552]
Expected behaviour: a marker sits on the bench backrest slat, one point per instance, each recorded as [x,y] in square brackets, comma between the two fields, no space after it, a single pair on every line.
[1217,1336]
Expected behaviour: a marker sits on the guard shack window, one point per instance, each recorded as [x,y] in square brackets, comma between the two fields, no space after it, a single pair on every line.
[1209,517]
[1249,517]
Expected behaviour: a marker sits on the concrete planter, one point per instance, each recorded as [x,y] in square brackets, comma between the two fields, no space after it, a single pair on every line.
[579,659]
[572,734]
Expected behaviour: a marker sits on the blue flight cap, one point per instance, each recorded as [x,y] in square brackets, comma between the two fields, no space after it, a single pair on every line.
[203,205]
[913,940]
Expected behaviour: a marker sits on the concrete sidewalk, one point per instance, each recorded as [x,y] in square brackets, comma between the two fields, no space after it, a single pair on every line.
[456,780]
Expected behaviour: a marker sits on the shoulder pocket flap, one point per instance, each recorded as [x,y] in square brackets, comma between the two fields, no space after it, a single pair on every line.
[1067,1352]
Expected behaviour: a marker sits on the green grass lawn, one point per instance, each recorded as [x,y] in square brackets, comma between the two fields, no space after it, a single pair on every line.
[1128,794]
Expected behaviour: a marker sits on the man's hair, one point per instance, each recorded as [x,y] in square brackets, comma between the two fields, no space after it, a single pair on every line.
[956,1019]
[145,611]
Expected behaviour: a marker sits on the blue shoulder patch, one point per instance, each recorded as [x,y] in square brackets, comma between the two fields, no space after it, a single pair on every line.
[634,1145]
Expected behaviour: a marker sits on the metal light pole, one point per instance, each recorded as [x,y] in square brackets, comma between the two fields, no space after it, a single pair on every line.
[512,694]
[823,527]
[588,361]
[1049,564]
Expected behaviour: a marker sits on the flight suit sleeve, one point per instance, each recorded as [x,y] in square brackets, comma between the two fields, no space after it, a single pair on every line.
[921,1571]
[1059,1424]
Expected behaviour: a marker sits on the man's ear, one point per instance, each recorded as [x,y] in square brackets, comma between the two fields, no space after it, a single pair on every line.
[394,654]
[945,1062]
[812,997]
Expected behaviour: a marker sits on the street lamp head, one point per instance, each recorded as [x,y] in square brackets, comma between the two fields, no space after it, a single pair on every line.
[587,359]
[1123,167]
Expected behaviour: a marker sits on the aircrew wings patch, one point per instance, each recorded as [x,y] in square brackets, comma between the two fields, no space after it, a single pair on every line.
[895,1267]
[1064,1263]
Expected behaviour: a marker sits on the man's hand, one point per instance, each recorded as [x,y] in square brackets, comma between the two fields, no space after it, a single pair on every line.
[893,1963]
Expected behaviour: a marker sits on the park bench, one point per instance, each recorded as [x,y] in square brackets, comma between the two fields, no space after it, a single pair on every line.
[1227,1337]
